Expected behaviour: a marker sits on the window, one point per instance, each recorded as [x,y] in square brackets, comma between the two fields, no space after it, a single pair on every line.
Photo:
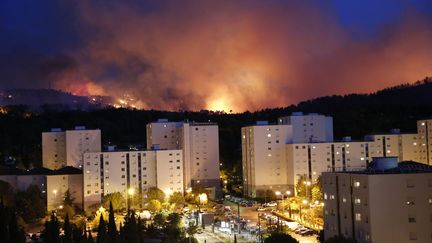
[356,183]
[358,217]
[344,199]
[410,201]
[410,183]
[411,219]
[413,236]
[357,201]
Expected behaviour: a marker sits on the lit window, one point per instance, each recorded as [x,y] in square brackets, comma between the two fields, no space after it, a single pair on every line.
[269,135]
[410,201]
[358,217]
[344,199]
[357,201]
[356,183]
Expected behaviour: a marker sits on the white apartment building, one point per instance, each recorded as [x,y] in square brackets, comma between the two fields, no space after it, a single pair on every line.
[265,155]
[60,181]
[200,145]
[309,128]
[54,149]
[264,158]
[424,129]
[65,148]
[120,171]
[309,160]
[389,202]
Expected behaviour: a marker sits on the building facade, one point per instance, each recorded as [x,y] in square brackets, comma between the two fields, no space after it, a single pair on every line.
[424,129]
[200,145]
[65,148]
[388,202]
[59,182]
[267,162]
[309,128]
[264,158]
[122,171]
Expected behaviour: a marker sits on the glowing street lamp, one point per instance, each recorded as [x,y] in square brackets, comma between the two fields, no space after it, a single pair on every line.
[130,192]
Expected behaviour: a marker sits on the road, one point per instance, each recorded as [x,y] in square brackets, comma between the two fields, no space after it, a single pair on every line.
[250,213]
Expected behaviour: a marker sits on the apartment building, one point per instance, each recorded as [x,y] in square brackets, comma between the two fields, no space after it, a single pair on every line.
[264,158]
[200,145]
[54,149]
[309,128]
[122,171]
[265,155]
[424,129]
[59,182]
[388,202]
[65,148]
[309,160]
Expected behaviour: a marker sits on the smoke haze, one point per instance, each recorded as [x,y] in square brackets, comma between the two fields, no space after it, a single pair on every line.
[220,55]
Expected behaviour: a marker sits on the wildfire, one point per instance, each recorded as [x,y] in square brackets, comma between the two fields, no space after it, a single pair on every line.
[3,110]
[219,104]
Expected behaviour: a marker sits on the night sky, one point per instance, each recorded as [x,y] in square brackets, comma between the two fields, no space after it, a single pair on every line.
[239,55]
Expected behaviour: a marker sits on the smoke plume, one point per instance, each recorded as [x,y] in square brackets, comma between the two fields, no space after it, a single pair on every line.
[233,55]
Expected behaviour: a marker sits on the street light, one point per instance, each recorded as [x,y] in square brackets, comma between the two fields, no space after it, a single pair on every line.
[130,192]
[308,184]
[304,202]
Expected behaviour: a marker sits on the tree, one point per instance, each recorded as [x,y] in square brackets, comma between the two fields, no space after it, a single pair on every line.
[6,193]
[30,204]
[16,234]
[192,229]
[300,187]
[131,228]
[68,199]
[4,215]
[154,206]
[67,238]
[51,233]
[159,220]
[177,199]
[155,193]
[173,227]
[116,199]
[101,236]
[112,230]
[277,237]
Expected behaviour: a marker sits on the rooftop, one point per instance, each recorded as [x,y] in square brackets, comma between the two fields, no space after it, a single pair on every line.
[404,167]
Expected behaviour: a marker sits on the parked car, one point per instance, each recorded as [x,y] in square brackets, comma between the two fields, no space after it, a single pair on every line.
[261,209]
[299,229]
[307,232]
[271,204]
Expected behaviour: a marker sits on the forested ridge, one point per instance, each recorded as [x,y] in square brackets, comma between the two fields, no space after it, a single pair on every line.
[354,115]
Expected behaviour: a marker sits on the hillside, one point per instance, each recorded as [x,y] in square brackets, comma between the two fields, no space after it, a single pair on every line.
[354,115]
